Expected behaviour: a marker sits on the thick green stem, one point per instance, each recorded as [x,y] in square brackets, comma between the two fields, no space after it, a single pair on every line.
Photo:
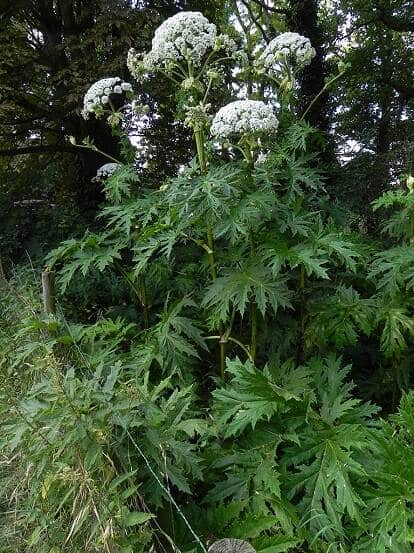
[140,292]
[249,159]
[235,341]
[143,293]
[211,256]
[199,140]
[302,277]
[302,280]
[253,322]
[201,154]
[253,307]
[412,226]
[222,358]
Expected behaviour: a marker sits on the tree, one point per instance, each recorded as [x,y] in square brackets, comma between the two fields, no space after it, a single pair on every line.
[375,101]
[52,50]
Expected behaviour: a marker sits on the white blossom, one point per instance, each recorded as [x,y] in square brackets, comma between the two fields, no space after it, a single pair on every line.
[134,63]
[224,42]
[99,94]
[243,117]
[262,158]
[106,170]
[184,36]
[288,48]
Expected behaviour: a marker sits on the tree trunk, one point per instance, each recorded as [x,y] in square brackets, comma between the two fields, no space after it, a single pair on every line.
[302,18]
[231,545]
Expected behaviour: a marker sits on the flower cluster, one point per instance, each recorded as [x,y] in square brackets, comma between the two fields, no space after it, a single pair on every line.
[106,171]
[196,117]
[288,48]
[243,117]
[226,43]
[185,36]
[135,64]
[99,94]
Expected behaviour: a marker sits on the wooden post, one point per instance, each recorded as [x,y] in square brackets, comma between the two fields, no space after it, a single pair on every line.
[48,285]
[231,545]
[2,273]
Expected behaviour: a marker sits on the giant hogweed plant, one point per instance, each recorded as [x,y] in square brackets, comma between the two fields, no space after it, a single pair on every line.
[230,267]
[235,238]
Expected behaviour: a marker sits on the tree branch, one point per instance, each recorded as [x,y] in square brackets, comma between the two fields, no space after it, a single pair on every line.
[397,23]
[394,22]
[406,91]
[262,4]
[41,149]
[255,20]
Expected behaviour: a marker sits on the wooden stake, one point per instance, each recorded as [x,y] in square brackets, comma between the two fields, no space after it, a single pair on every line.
[2,273]
[48,285]
[231,545]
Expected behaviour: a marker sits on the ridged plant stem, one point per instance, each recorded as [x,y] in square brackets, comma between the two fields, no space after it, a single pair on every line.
[211,256]
[302,283]
[143,290]
[253,322]
[253,306]
[412,226]
[201,154]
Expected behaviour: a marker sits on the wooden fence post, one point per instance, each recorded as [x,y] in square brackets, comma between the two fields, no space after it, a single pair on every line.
[48,286]
[231,545]
[2,273]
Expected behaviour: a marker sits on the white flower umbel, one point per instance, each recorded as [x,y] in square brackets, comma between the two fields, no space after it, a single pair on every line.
[289,49]
[244,117]
[106,171]
[100,92]
[184,40]
[185,36]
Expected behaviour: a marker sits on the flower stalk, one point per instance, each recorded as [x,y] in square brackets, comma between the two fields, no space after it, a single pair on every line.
[201,154]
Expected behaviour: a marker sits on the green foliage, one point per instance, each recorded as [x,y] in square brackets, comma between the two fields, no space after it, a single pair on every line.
[286,457]
[68,430]
[341,318]
[326,465]
[118,185]
[252,283]
[315,432]
[393,270]
[390,495]
[257,395]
